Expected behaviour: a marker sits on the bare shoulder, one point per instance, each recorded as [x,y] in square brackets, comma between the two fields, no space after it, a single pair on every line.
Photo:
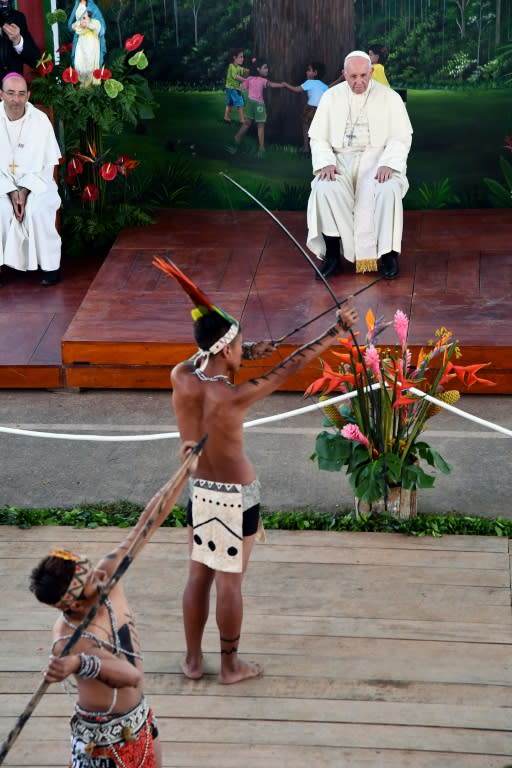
[181,370]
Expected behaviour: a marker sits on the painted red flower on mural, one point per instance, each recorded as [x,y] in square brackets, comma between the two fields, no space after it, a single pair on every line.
[65,47]
[90,193]
[70,75]
[134,42]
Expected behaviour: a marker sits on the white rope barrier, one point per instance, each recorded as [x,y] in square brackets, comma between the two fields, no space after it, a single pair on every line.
[255,422]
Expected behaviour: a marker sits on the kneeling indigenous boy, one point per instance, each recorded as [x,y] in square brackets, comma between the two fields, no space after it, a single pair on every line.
[224,510]
[113,725]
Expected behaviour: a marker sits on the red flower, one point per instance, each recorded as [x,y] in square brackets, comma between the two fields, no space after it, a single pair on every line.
[45,68]
[102,74]
[65,47]
[134,42]
[70,75]
[90,193]
[108,171]
[125,164]
[75,167]
[508,143]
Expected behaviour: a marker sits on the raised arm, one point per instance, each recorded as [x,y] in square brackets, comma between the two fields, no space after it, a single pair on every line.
[255,389]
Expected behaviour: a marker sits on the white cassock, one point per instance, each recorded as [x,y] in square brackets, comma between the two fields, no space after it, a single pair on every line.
[29,153]
[357,133]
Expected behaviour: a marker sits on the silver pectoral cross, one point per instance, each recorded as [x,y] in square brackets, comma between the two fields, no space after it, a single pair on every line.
[350,136]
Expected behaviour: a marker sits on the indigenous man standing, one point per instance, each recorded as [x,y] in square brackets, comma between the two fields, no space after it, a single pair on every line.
[360,138]
[29,198]
[224,509]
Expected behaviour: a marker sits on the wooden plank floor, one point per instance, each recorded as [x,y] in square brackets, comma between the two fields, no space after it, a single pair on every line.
[380,651]
[133,323]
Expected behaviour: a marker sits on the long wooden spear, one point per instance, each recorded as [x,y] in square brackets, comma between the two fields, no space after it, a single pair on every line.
[156,510]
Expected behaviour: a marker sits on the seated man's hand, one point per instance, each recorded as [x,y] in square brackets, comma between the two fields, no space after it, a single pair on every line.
[18,200]
[384,173]
[328,173]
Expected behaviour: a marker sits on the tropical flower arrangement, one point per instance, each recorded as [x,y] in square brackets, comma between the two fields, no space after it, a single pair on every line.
[84,115]
[376,432]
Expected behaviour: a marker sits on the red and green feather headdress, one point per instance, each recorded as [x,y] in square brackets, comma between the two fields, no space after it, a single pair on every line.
[203,305]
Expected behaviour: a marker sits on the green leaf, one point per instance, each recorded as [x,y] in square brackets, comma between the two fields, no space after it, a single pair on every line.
[113,88]
[433,458]
[506,168]
[139,60]
[332,451]
[501,197]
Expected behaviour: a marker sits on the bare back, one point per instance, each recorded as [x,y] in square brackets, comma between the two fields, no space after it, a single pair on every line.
[213,408]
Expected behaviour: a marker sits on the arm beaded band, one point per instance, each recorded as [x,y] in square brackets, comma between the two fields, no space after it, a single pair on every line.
[90,666]
[248,350]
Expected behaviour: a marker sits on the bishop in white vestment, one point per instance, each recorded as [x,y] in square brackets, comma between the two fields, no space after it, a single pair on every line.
[29,198]
[360,138]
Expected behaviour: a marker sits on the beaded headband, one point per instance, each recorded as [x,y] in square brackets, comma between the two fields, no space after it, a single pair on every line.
[76,586]
[203,355]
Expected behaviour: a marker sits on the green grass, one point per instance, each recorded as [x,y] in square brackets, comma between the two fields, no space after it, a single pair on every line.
[457,135]
[125,514]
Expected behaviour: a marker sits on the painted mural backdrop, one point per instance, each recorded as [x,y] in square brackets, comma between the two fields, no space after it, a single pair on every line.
[430,41]
[450,59]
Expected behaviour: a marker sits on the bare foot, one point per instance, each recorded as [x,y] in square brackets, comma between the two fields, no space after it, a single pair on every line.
[192,671]
[242,671]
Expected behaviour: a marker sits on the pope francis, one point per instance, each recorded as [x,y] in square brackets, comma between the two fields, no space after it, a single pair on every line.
[360,138]
[29,198]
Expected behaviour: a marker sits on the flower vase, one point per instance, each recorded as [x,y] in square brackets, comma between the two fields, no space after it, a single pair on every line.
[399,502]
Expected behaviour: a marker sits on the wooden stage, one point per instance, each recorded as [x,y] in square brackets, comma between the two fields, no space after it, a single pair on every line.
[125,324]
[380,651]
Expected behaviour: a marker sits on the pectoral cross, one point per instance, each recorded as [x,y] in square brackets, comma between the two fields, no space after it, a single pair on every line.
[350,136]
[12,167]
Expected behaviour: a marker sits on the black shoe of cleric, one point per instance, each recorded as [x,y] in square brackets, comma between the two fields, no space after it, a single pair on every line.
[389,265]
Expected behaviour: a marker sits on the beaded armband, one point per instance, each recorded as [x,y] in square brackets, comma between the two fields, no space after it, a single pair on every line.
[90,666]
[248,350]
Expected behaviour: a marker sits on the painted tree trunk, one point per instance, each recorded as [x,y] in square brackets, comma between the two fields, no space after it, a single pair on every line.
[291,34]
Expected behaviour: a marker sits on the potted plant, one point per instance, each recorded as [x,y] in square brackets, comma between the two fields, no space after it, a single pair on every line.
[95,204]
[377,432]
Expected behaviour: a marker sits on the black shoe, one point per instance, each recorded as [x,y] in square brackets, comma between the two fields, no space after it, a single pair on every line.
[51,277]
[331,263]
[389,265]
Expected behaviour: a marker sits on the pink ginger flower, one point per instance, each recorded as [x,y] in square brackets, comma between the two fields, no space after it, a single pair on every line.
[401,323]
[372,360]
[352,432]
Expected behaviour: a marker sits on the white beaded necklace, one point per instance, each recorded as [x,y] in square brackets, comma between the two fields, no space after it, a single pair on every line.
[201,375]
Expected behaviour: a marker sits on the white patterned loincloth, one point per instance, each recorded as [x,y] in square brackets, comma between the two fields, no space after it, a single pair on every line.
[217,510]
